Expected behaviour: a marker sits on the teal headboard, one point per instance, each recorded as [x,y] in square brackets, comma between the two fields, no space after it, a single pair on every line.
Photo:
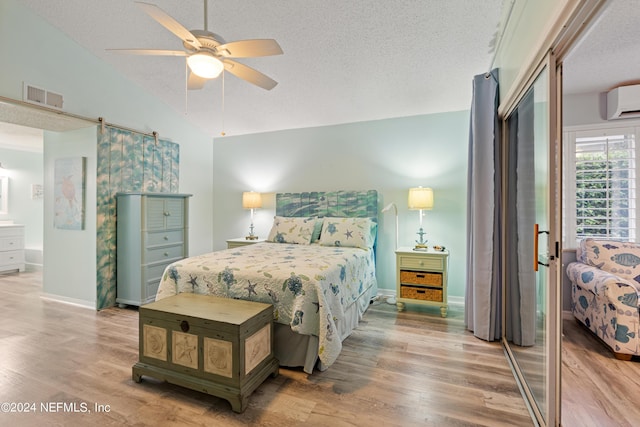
[359,204]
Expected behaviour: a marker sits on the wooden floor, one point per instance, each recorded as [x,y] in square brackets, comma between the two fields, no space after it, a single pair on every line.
[598,390]
[396,369]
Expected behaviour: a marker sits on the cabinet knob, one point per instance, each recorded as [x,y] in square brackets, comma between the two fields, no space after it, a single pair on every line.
[166,254]
[166,237]
[421,263]
[167,213]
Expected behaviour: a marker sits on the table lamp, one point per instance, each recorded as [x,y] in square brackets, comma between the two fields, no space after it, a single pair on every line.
[420,199]
[251,200]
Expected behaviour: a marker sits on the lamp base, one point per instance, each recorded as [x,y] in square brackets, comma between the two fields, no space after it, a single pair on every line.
[251,237]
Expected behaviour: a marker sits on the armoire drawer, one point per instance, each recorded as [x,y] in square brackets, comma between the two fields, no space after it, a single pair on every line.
[163,253]
[164,237]
[155,271]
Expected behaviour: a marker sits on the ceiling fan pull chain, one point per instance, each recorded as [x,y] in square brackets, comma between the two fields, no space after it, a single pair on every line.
[222,133]
[186,88]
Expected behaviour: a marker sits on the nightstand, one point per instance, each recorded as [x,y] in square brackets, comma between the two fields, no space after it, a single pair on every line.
[241,241]
[421,278]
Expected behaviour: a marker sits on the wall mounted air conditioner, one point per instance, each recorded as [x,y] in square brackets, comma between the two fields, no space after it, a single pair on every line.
[623,102]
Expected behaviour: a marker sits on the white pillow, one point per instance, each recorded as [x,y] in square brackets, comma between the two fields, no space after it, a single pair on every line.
[292,230]
[348,232]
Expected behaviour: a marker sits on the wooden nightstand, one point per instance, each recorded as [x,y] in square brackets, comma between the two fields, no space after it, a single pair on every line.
[421,278]
[241,241]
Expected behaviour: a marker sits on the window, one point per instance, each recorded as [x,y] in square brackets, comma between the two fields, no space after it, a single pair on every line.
[600,184]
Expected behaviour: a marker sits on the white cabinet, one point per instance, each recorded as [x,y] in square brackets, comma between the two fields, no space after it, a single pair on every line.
[11,247]
[152,232]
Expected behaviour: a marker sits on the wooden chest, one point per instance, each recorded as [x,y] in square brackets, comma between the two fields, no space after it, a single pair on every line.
[220,346]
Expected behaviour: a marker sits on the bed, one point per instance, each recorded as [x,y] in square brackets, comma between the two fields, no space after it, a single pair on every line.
[317,268]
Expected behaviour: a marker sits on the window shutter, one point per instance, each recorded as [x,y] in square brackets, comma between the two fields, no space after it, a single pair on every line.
[605,184]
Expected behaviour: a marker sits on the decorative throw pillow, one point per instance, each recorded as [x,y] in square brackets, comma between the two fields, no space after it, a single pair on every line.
[292,230]
[619,258]
[348,232]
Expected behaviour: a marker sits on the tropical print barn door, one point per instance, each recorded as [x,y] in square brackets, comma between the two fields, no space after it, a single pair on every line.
[126,162]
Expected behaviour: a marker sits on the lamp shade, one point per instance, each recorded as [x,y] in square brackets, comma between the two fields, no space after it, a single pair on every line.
[251,200]
[420,198]
[205,65]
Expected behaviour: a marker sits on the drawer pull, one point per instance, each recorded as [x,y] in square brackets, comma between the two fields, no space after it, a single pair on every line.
[420,275]
[166,237]
[166,254]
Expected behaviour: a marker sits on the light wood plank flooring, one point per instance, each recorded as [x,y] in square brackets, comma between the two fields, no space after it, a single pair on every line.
[598,390]
[396,369]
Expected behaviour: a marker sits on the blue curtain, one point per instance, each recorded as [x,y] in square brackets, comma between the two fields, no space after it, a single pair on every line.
[483,294]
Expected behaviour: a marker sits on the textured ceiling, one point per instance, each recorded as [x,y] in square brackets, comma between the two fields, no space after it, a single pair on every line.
[344,61]
[608,55]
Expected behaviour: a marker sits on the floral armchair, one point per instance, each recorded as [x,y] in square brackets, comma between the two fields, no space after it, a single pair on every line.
[605,285]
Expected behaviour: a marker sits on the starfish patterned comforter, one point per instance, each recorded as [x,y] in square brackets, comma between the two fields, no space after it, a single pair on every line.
[310,286]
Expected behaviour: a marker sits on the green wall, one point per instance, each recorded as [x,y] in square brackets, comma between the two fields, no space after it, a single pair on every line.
[389,155]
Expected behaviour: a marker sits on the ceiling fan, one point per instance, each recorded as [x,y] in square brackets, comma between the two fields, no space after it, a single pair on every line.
[207,53]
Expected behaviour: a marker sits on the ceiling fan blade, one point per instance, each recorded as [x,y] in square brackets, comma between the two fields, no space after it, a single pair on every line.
[249,74]
[156,52]
[249,48]
[195,82]
[169,23]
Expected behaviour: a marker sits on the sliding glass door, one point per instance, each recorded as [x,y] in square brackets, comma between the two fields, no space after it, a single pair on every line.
[530,260]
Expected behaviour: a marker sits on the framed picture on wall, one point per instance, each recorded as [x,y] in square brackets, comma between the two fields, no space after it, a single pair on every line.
[4,195]
[69,191]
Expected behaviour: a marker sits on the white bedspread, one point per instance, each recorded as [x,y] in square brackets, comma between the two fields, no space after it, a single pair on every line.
[310,286]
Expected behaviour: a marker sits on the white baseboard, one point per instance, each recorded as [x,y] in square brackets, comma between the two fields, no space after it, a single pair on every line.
[28,267]
[73,301]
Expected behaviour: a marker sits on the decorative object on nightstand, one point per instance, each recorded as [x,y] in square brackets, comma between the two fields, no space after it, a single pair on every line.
[421,277]
[392,300]
[420,199]
[251,200]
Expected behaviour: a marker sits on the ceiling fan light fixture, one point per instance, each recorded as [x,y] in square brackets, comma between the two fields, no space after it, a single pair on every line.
[205,65]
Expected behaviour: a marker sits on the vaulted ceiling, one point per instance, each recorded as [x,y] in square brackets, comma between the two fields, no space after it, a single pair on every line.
[343,61]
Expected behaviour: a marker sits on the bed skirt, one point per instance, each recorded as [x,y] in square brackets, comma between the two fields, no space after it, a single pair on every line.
[296,350]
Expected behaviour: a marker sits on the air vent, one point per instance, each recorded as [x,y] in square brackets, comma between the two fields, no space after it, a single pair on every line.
[54,100]
[36,95]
